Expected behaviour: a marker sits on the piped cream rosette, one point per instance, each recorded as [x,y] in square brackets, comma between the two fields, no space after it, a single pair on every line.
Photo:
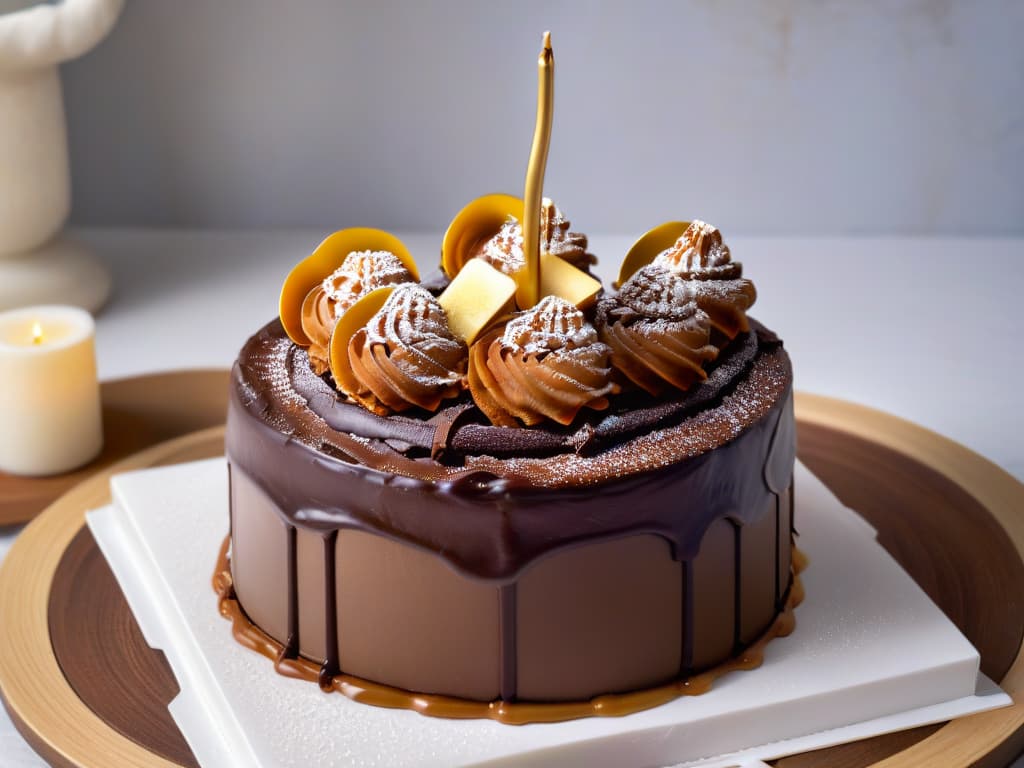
[394,350]
[659,325]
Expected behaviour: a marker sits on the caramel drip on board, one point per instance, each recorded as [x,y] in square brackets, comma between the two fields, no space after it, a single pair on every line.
[511,713]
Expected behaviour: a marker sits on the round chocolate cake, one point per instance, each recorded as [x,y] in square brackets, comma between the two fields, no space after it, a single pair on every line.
[446,500]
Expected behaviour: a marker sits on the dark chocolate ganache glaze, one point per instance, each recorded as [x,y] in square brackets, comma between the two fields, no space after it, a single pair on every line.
[492,500]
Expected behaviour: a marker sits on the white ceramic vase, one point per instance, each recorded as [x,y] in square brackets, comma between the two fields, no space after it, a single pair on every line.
[37,264]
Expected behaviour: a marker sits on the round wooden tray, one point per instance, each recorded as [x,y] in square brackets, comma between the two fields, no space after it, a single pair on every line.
[84,688]
[137,412]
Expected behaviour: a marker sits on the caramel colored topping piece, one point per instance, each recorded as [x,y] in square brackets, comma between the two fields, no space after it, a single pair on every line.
[477,295]
[560,278]
[473,226]
[659,337]
[355,318]
[406,355]
[328,257]
[360,273]
[647,248]
[546,363]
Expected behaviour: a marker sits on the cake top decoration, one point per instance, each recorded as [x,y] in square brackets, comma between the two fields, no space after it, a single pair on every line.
[360,273]
[516,317]
[700,254]
[406,354]
[545,363]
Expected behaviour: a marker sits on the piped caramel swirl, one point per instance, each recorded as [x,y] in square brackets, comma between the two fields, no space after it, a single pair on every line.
[360,273]
[406,355]
[545,363]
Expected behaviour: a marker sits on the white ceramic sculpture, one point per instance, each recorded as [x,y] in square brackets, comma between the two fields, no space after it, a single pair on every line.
[37,264]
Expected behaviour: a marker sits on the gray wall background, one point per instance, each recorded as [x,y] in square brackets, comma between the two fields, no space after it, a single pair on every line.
[784,117]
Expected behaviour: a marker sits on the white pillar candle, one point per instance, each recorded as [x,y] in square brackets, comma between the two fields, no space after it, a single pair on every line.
[50,415]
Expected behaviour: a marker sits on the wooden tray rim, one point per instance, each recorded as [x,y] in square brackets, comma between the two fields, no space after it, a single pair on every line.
[65,730]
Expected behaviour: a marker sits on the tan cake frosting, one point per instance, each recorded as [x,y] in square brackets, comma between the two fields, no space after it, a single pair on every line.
[360,273]
[546,362]
[406,355]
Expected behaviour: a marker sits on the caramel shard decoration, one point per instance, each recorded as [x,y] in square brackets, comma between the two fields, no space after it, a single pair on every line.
[648,247]
[478,294]
[474,226]
[700,257]
[357,316]
[406,355]
[560,278]
[545,363]
[360,273]
[328,257]
[658,336]
[490,229]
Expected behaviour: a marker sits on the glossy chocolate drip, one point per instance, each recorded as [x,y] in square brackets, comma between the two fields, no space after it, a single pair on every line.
[330,667]
[490,517]
[507,624]
[686,654]
[291,648]
[738,588]
[778,525]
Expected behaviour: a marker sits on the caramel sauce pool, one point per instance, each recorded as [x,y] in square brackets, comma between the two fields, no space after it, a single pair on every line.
[510,713]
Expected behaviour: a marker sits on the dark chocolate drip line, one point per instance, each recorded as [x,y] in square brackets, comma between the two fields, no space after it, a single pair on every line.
[686,657]
[737,586]
[507,641]
[291,648]
[778,556]
[231,505]
[792,507]
[330,667]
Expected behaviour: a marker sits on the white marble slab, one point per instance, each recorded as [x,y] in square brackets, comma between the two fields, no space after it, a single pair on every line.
[871,654]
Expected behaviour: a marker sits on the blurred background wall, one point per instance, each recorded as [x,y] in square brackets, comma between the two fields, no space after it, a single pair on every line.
[783,117]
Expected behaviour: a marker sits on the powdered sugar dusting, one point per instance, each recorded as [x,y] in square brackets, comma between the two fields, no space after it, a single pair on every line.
[413,326]
[504,250]
[360,273]
[553,324]
[752,400]
[700,254]
[656,293]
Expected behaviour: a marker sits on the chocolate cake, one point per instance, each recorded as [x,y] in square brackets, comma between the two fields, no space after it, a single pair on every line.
[508,490]
[528,569]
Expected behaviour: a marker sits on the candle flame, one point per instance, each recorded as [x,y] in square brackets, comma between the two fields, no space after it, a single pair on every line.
[547,41]
[37,333]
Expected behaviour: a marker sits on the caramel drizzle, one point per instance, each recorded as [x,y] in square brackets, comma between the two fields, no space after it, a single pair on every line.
[508,712]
